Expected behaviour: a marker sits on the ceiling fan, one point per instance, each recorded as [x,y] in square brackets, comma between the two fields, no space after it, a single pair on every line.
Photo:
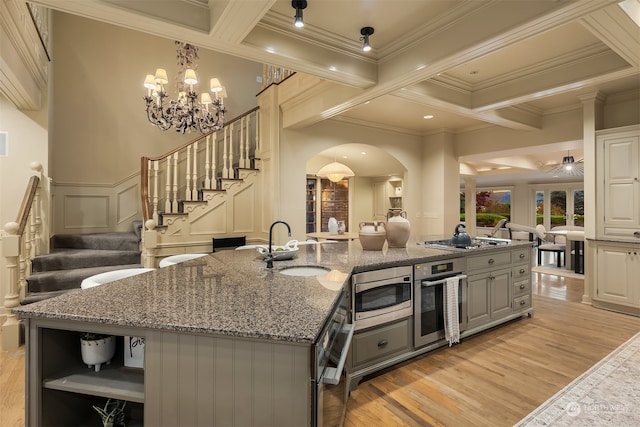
[569,167]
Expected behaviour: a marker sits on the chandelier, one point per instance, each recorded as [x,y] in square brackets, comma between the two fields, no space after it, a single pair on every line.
[188,112]
[569,166]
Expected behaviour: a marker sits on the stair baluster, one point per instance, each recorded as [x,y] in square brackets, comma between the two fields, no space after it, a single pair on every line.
[241,162]
[167,188]
[187,191]
[225,155]
[174,199]
[194,174]
[230,168]
[207,164]
[154,176]
[214,168]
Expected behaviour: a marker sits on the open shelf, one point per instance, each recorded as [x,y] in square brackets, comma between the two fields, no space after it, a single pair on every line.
[112,381]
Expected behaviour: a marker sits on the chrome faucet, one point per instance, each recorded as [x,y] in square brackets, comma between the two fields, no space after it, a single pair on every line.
[269,257]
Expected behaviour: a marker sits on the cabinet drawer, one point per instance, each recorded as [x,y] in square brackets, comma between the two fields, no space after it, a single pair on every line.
[491,260]
[522,255]
[522,287]
[520,272]
[380,342]
[521,303]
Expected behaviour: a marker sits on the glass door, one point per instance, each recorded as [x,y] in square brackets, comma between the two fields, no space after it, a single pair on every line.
[558,215]
[556,206]
[578,208]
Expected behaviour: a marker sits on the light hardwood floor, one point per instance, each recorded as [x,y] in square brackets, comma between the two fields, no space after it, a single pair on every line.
[493,379]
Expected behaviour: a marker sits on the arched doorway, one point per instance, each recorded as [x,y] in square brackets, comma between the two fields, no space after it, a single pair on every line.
[376,187]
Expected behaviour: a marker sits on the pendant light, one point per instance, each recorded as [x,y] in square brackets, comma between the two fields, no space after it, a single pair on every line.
[335,171]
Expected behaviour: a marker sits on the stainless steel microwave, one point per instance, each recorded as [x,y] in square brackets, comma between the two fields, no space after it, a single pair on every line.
[382,296]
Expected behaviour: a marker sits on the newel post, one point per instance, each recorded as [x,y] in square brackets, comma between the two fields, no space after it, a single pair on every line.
[11,251]
[149,244]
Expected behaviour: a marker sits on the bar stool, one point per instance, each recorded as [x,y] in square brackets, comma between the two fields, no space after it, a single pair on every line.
[110,276]
[176,259]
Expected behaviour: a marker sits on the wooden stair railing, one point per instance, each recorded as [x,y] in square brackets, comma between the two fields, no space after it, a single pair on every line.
[186,172]
[19,246]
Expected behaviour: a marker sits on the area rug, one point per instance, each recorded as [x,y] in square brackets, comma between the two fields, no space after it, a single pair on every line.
[556,271]
[608,394]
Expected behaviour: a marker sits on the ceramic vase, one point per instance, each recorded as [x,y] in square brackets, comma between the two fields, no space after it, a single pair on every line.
[398,228]
[333,226]
[98,351]
[372,235]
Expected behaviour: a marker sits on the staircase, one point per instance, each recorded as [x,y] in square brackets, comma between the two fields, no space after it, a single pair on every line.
[74,257]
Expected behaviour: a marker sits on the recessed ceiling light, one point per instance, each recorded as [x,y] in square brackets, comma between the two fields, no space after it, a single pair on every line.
[364,153]
[428,116]
[332,68]
[270,50]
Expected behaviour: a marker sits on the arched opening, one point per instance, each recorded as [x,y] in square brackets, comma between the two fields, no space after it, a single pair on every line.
[376,187]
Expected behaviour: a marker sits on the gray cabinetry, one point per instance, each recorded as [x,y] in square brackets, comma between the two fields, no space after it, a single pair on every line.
[375,344]
[188,379]
[499,286]
[489,296]
[64,390]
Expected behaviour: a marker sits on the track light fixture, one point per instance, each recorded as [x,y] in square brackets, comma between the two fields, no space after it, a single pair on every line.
[298,5]
[366,32]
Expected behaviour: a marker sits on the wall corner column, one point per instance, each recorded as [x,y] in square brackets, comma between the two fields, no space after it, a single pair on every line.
[470,205]
[592,120]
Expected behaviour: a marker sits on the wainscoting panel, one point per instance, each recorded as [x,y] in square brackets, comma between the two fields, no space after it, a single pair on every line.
[86,212]
[244,210]
[96,208]
[127,202]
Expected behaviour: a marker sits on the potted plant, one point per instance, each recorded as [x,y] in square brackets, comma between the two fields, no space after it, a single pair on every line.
[97,349]
[112,413]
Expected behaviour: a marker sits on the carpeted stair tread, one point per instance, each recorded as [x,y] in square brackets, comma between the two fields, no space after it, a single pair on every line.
[58,280]
[65,259]
[41,296]
[121,241]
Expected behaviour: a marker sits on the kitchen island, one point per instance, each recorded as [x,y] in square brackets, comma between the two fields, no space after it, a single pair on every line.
[227,342]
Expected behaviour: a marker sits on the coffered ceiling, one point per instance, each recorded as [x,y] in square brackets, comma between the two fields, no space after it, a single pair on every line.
[466,63]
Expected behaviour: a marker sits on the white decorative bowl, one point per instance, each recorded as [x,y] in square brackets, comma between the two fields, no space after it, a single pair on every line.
[280,253]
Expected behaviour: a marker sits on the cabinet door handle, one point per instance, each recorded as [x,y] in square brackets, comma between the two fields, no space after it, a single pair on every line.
[522,286]
[491,277]
[491,261]
[636,233]
[522,256]
[382,343]
[523,302]
[522,270]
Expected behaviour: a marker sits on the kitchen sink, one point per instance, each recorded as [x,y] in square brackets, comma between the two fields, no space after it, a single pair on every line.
[476,243]
[304,271]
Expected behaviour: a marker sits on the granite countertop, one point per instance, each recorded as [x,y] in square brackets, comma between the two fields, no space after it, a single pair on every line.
[231,293]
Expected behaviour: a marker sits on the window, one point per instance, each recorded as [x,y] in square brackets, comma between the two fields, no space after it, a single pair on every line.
[492,205]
